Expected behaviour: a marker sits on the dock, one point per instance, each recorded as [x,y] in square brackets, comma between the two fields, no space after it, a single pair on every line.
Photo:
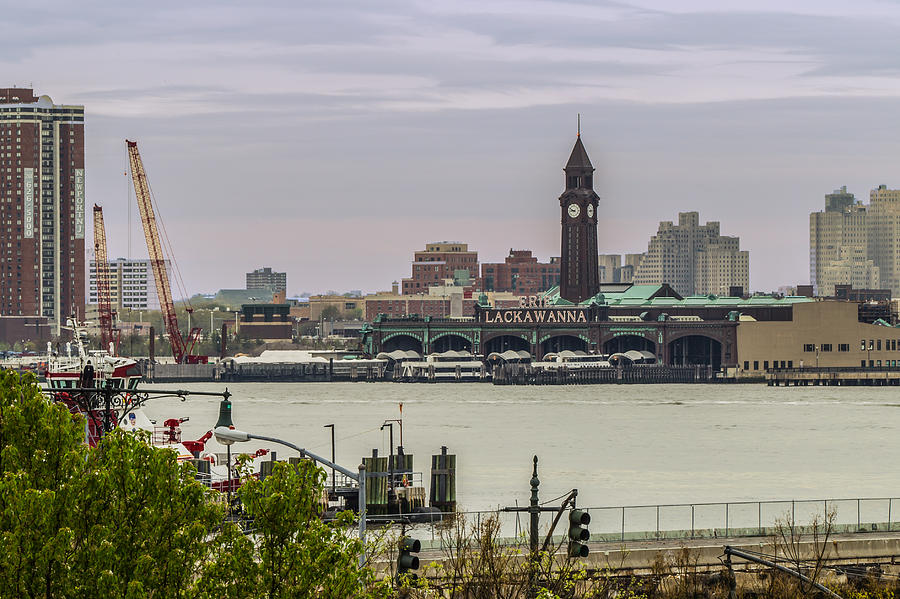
[527,374]
[831,376]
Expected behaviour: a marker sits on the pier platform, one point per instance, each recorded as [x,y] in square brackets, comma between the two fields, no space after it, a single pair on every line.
[843,376]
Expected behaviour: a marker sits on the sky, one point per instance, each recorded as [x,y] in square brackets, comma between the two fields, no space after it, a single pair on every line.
[332,140]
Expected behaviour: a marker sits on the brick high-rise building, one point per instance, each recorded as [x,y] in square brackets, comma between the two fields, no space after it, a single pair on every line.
[520,273]
[440,261]
[41,207]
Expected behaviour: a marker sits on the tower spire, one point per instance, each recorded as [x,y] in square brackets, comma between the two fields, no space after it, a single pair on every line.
[579,125]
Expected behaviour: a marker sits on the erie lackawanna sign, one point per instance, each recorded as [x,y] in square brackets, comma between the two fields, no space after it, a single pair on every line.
[536,316]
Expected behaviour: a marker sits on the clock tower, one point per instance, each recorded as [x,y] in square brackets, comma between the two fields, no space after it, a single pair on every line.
[579,276]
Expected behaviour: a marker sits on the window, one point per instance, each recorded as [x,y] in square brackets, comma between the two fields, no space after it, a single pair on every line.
[746,365]
[825,347]
[843,347]
[765,364]
[862,363]
[790,363]
[809,347]
[782,364]
[755,364]
[879,346]
[871,344]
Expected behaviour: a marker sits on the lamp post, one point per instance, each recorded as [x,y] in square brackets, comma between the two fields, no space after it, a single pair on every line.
[390,456]
[228,436]
[333,483]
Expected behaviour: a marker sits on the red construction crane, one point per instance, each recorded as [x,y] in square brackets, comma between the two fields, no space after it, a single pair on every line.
[182,348]
[109,338]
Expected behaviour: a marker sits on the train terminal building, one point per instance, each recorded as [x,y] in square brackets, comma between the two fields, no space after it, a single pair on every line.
[694,330]
[743,336]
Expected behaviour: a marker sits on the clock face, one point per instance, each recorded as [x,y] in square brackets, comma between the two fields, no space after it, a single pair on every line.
[574,210]
[590,211]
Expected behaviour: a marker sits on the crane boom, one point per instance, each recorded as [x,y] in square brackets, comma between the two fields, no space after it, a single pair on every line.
[108,338]
[181,348]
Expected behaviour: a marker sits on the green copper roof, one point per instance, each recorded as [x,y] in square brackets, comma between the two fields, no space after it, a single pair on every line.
[661,295]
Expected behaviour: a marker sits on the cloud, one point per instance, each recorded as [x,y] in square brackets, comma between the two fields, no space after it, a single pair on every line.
[272,130]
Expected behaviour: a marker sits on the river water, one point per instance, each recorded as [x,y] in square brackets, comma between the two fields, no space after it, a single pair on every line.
[619,445]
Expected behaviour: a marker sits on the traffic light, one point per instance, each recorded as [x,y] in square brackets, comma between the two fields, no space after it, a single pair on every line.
[579,533]
[406,561]
[225,414]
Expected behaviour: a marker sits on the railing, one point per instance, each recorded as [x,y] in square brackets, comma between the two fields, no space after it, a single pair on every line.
[689,521]
[833,369]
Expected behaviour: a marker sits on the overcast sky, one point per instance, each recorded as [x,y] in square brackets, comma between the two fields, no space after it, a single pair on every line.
[331,140]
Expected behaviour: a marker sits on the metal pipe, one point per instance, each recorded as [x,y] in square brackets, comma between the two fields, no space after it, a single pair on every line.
[362,513]
[764,562]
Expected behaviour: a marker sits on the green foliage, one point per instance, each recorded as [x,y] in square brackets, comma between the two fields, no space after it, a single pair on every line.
[331,312]
[41,459]
[290,552]
[125,519]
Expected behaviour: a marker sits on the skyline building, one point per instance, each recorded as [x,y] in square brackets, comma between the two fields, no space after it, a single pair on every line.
[266,278]
[884,235]
[520,273]
[613,269]
[694,259]
[42,263]
[851,243]
[131,284]
[843,224]
[438,262]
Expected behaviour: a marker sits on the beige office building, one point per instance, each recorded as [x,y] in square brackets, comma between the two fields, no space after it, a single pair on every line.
[853,243]
[608,265]
[805,341]
[694,259]
[853,268]
[884,235]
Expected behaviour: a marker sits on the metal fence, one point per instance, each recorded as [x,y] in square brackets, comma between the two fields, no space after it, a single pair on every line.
[685,521]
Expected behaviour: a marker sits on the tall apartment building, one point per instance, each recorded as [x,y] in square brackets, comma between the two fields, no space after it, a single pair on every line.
[520,273]
[609,264]
[266,278]
[41,207]
[853,243]
[843,224]
[693,258]
[613,269]
[131,284]
[852,267]
[440,261]
[884,235]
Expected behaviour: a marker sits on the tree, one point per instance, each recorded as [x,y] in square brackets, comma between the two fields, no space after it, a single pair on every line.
[41,460]
[331,312]
[291,552]
[125,519]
